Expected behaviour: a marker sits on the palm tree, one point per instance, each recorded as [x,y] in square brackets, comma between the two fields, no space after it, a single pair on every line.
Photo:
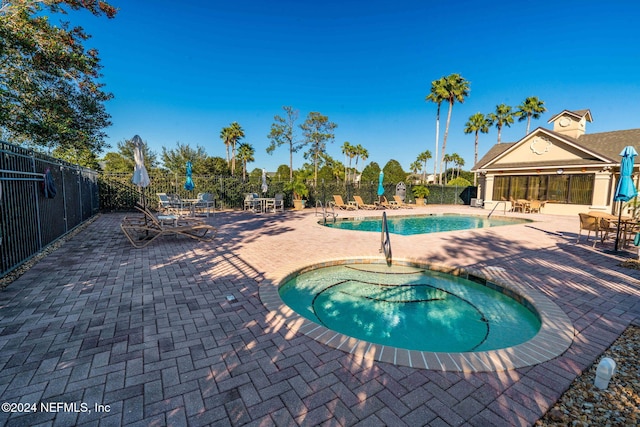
[361,153]
[237,133]
[437,96]
[531,108]
[447,158]
[458,162]
[422,158]
[416,167]
[477,123]
[245,155]
[225,136]
[502,117]
[457,89]
[347,150]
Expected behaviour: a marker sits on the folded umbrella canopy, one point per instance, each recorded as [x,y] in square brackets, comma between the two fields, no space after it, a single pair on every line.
[264,181]
[380,186]
[625,190]
[189,185]
[140,174]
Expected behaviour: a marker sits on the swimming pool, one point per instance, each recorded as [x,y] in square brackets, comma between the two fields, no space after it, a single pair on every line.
[483,352]
[423,224]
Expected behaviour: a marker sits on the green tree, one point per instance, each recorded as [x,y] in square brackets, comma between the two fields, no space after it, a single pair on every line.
[458,162]
[122,161]
[437,95]
[283,132]
[502,117]
[349,152]
[416,167]
[447,158]
[393,172]
[237,133]
[245,154]
[284,170]
[175,160]
[457,89]
[361,153]
[423,158]
[531,108]
[477,123]
[370,173]
[226,137]
[50,94]
[215,166]
[317,130]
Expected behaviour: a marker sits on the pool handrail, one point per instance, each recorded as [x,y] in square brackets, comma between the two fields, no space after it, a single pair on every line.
[496,205]
[385,241]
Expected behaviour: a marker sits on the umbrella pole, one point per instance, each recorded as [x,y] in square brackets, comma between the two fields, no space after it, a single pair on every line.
[615,247]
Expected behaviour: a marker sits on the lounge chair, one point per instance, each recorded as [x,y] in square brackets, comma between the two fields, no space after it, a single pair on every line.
[141,231]
[363,205]
[340,204]
[400,203]
[386,204]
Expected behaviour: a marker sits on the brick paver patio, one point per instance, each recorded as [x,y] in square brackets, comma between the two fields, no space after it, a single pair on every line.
[150,335]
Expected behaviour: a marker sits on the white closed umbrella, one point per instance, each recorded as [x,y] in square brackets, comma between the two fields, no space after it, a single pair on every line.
[140,174]
[264,181]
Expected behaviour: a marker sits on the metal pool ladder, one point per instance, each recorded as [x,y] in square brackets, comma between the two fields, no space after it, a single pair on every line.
[385,242]
[324,212]
[494,208]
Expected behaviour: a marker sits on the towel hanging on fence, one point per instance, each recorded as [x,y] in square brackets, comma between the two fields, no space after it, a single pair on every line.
[48,185]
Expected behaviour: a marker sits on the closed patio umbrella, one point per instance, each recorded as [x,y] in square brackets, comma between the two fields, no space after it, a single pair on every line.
[188,184]
[625,190]
[140,174]
[264,181]
[380,186]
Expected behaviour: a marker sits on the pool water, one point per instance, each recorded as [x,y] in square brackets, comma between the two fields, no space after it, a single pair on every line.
[410,307]
[422,224]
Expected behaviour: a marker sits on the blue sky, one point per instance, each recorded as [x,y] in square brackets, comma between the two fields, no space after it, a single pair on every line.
[181,71]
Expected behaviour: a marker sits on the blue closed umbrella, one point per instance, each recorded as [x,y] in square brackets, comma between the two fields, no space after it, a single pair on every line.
[380,187]
[188,185]
[625,190]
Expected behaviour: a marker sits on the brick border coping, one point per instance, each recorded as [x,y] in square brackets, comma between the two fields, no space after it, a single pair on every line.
[553,339]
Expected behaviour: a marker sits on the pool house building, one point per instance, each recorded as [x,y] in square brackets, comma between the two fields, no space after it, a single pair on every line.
[569,169]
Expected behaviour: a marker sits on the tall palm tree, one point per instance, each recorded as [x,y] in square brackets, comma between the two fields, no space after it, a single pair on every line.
[447,158]
[457,89]
[245,155]
[437,96]
[422,158]
[361,153]
[237,133]
[502,117]
[225,136]
[477,123]
[531,108]
[416,167]
[347,150]
[458,161]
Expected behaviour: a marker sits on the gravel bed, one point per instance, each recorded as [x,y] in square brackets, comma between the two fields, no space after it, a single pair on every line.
[584,404]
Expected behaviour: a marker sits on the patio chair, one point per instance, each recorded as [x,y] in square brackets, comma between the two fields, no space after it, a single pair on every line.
[168,204]
[250,202]
[363,205]
[276,203]
[590,223]
[340,204]
[141,231]
[204,204]
[386,204]
[400,203]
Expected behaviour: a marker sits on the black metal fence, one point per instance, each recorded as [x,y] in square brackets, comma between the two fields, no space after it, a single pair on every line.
[30,219]
[118,193]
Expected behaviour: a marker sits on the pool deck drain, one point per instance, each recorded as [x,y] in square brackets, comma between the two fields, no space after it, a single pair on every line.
[554,337]
[150,333]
